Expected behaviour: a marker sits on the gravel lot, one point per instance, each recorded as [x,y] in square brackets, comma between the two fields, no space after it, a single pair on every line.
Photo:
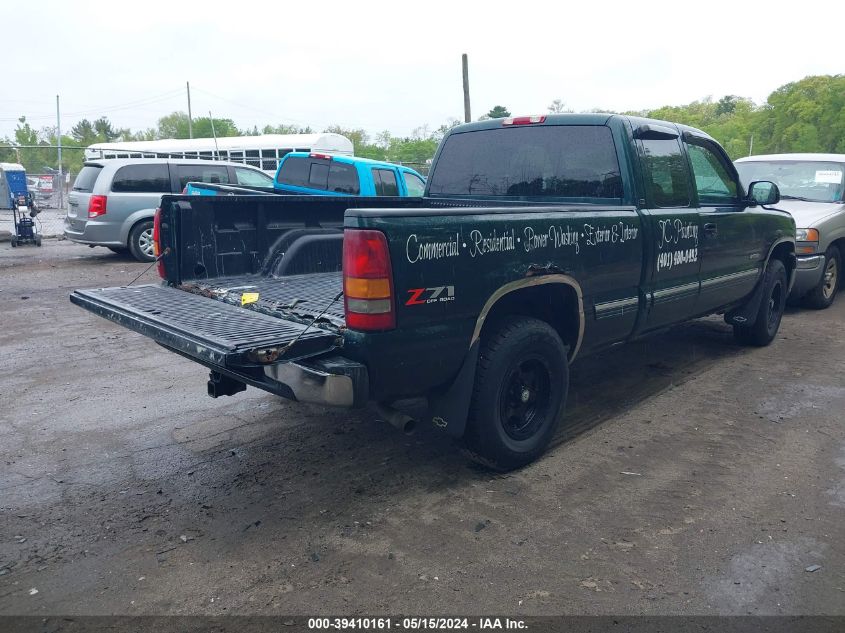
[695,477]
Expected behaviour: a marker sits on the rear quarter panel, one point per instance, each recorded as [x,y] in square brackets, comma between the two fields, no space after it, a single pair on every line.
[447,264]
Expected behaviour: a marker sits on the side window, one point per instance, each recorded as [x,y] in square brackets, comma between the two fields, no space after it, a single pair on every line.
[252,178]
[212,174]
[142,179]
[666,174]
[415,184]
[713,181]
[385,181]
[343,178]
[318,176]
[294,171]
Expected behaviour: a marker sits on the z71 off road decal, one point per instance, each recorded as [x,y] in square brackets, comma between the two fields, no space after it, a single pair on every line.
[423,296]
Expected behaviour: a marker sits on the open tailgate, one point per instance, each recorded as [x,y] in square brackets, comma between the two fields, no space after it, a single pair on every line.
[208,330]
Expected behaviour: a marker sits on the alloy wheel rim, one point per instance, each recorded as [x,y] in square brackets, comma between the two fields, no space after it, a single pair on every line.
[145,241]
[831,276]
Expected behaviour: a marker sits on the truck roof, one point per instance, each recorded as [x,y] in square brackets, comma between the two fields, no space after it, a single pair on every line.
[832,158]
[587,118]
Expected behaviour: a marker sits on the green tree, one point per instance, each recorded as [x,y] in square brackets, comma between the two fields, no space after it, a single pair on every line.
[804,116]
[175,125]
[84,133]
[104,130]
[497,112]
[7,151]
[284,128]
[557,106]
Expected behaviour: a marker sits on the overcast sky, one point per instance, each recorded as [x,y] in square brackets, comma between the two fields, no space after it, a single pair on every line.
[397,65]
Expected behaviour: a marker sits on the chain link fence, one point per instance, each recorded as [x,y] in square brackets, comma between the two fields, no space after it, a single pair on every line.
[49,192]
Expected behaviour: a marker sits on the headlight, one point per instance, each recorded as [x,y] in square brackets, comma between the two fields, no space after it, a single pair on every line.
[806,235]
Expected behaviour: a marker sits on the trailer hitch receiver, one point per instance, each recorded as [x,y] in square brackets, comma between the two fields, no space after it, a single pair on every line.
[220,385]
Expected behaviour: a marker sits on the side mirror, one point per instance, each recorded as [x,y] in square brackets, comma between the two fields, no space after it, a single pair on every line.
[763,192]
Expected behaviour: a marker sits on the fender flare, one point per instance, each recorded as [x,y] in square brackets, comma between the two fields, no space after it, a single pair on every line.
[529,282]
[448,408]
[748,311]
[793,262]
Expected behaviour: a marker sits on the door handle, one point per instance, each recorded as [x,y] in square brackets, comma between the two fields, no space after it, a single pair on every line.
[711,229]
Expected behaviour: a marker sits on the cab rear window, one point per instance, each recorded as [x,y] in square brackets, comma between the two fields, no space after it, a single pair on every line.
[316,173]
[550,161]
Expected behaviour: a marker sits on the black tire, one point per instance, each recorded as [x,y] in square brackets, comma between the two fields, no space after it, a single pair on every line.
[519,395]
[765,327]
[13,241]
[140,241]
[38,241]
[822,296]
[119,250]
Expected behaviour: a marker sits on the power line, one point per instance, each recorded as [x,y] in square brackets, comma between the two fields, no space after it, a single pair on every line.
[253,108]
[137,103]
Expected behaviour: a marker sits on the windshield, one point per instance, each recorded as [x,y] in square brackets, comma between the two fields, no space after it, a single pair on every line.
[815,181]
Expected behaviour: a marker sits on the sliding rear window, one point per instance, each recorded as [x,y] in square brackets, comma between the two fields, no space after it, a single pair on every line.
[573,161]
[319,173]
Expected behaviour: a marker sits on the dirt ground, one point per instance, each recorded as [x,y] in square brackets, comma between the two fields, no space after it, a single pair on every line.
[694,477]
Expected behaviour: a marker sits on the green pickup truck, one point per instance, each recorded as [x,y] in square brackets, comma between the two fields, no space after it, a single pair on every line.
[539,239]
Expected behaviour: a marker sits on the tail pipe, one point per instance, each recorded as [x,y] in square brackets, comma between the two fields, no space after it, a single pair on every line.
[397,419]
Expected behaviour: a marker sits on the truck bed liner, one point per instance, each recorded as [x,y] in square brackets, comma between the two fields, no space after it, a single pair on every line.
[303,296]
[211,331]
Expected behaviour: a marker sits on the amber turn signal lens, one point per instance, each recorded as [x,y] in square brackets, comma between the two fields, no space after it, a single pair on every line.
[367,288]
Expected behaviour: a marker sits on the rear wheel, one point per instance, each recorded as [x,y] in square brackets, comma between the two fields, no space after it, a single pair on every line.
[765,327]
[141,241]
[822,296]
[519,395]
[13,241]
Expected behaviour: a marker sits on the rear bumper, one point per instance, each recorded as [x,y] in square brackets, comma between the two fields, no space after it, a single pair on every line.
[808,274]
[332,381]
[92,232]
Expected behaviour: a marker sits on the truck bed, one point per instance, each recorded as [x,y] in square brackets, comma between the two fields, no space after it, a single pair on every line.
[299,296]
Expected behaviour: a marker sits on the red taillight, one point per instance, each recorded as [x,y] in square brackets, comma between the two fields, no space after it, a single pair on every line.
[157,243]
[367,281]
[524,120]
[96,206]
[323,156]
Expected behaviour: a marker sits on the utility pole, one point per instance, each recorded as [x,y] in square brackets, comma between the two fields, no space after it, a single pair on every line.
[214,134]
[467,114]
[59,142]
[751,145]
[190,119]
